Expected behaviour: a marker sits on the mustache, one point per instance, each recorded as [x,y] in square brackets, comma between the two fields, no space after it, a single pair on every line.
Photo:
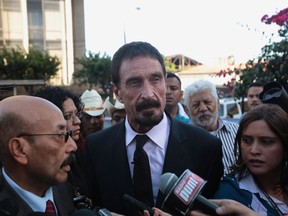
[70,160]
[147,104]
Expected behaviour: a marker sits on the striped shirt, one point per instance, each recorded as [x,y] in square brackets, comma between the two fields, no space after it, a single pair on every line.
[226,132]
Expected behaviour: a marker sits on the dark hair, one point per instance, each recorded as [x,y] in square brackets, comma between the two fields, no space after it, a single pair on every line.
[57,95]
[173,75]
[277,120]
[256,84]
[130,51]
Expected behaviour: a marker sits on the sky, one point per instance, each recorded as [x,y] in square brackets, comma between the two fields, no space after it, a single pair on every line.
[204,30]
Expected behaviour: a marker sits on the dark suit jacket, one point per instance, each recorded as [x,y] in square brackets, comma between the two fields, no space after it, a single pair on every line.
[108,173]
[62,199]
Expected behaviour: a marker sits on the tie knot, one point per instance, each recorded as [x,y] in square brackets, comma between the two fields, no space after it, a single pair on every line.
[50,208]
[141,139]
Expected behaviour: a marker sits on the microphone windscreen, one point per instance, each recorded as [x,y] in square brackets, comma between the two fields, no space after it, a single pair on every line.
[167,182]
[83,212]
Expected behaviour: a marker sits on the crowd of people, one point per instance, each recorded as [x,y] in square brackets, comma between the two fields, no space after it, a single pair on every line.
[57,158]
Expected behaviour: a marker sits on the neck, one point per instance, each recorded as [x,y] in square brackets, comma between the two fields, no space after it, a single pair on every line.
[273,188]
[173,110]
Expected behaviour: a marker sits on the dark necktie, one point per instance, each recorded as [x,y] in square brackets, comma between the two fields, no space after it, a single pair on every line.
[50,208]
[142,176]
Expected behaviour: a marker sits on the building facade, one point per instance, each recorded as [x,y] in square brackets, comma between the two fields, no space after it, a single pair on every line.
[56,26]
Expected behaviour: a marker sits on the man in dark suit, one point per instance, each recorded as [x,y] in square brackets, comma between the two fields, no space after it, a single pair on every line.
[138,81]
[35,150]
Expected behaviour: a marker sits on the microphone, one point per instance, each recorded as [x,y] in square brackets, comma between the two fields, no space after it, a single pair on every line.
[139,205]
[8,207]
[102,211]
[181,194]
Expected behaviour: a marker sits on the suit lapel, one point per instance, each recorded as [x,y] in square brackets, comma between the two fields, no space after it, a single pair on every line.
[176,151]
[122,170]
[176,154]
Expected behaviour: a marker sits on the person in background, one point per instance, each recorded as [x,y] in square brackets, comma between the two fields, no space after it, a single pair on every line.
[35,149]
[138,81]
[116,111]
[203,104]
[253,93]
[92,115]
[259,178]
[174,94]
[71,107]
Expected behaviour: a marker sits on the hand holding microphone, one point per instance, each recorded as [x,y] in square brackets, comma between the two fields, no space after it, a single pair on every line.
[182,194]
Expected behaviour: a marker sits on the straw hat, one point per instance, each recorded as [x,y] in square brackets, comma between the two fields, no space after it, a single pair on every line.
[112,108]
[93,103]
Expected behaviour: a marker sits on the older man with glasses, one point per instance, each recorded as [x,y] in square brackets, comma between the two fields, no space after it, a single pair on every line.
[35,151]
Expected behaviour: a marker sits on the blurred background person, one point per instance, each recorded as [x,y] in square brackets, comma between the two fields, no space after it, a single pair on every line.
[71,107]
[259,178]
[92,115]
[35,149]
[203,104]
[253,93]
[116,111]
[174,94]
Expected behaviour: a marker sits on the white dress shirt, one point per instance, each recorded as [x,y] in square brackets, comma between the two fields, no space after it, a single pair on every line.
[155,148]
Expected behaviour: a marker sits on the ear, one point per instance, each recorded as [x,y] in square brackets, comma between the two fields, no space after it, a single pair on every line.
[18,148]
[117,92]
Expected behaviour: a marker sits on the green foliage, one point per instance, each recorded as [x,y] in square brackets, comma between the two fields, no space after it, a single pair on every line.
[169,66]
[17,64]
[95,70]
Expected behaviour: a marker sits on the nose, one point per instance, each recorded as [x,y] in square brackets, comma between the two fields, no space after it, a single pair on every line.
[71,145]
[76,120]
[202,106]
[254,148]
[147,90]
[93,120]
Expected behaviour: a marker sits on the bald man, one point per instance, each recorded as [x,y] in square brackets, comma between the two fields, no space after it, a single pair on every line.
[35,150]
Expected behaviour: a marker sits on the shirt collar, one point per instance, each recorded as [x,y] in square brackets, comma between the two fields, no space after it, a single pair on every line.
[35,202]
[153,133]
[248,183]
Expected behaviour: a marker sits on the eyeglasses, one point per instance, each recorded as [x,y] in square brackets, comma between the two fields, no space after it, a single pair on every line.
[61,135]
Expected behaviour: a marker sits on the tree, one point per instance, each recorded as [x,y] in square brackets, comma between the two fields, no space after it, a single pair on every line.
[95,70]
[169,66]
[15,63]
[271,65]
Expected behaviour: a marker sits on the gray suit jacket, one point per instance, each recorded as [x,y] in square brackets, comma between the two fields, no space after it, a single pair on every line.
[108,173]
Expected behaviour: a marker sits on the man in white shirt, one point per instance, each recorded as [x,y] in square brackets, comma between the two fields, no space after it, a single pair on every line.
[202,100]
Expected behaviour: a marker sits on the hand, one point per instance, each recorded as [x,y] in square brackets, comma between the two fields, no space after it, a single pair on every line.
[233,207]
[157,212]
[228,207]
